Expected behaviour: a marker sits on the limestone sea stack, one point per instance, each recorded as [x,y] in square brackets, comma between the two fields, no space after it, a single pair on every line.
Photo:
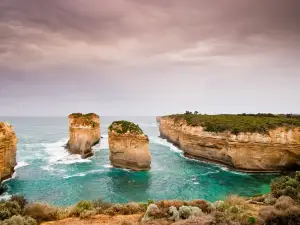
[84,132]
[8,148]
[254,143]
[129,146]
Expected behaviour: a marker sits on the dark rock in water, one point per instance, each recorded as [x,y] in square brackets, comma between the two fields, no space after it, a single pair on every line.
[3,189]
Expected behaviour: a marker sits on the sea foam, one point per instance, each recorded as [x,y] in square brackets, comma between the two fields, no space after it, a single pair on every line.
[57,154]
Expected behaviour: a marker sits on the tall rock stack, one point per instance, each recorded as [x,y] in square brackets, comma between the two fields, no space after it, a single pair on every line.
[84,132]
[129,146]
[8,148]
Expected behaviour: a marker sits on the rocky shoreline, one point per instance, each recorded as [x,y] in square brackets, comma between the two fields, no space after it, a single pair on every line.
[275,151]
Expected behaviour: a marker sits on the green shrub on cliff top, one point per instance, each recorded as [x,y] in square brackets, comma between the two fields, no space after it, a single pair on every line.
[235,124]
[286,186]
[122,127]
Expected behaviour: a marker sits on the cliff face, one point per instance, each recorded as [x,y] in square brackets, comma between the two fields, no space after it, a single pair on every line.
[8,147]
[129,147]
[84,132]
[278,150]
[129,151]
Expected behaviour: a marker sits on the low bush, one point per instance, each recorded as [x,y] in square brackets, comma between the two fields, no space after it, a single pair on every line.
[87,214]
[20,200]
[19,220]
[9,209]
[287,186]
[82,206]
[100,203]
[41,212]
[236,124]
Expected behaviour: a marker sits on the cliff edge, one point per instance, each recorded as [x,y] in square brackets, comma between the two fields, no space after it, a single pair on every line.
[254,143]
[129,146]
[8,148]
[84,132]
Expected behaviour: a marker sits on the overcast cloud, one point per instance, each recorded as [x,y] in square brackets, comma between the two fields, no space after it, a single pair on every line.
[149,57]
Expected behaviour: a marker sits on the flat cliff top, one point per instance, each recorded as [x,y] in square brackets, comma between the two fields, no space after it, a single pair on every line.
[79,119]
[253,123]
[79,115]
[123,127]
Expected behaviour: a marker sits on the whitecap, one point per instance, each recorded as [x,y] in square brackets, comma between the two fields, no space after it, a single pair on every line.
[83,174]
[210,172]
[108,166]
[164,142]
[21,164]
[5,196]
[59,155]
[196,183]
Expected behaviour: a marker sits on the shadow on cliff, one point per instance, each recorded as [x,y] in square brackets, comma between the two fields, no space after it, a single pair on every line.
[129,185]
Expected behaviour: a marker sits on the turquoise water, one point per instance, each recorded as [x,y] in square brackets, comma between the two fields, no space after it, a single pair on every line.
[47,173]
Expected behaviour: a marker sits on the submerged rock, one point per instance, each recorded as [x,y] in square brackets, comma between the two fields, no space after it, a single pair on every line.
[129,146]
[8,148]
[84,132]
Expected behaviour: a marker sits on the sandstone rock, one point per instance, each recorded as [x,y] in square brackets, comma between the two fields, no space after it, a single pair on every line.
[84,132]
[129,147]
[8,147]
[277,150]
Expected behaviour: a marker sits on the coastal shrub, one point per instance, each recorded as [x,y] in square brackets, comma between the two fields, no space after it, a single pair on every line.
[187,211]
[287,186]
[200,220]
[40,211]
[82,206]
[19,220]
[122,127]
[236,124]
[20,200]
[168,203]
[152,212]
[252,220]
[100,203]
[87,214]
[173,214]
[200,203]
[63,212]
[9,209]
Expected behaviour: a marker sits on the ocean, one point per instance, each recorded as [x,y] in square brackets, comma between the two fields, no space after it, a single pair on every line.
[46,172]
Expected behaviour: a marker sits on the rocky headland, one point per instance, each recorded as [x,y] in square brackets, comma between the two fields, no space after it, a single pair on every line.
[84,132]
[8,148]
[254,143]
[129,146]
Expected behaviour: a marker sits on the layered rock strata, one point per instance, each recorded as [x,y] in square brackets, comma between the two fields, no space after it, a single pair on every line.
[8,148]
[84,132]
[276,150]
[129,147]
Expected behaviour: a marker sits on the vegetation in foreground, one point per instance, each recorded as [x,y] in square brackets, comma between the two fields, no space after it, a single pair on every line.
[235,124]
[281,206]
[123,127]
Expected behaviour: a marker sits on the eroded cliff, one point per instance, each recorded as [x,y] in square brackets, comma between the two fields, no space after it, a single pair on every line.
[84,132]
[8,148]
[274,150]
[129,147]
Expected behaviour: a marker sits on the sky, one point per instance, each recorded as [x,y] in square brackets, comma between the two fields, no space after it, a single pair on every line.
[149,57]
